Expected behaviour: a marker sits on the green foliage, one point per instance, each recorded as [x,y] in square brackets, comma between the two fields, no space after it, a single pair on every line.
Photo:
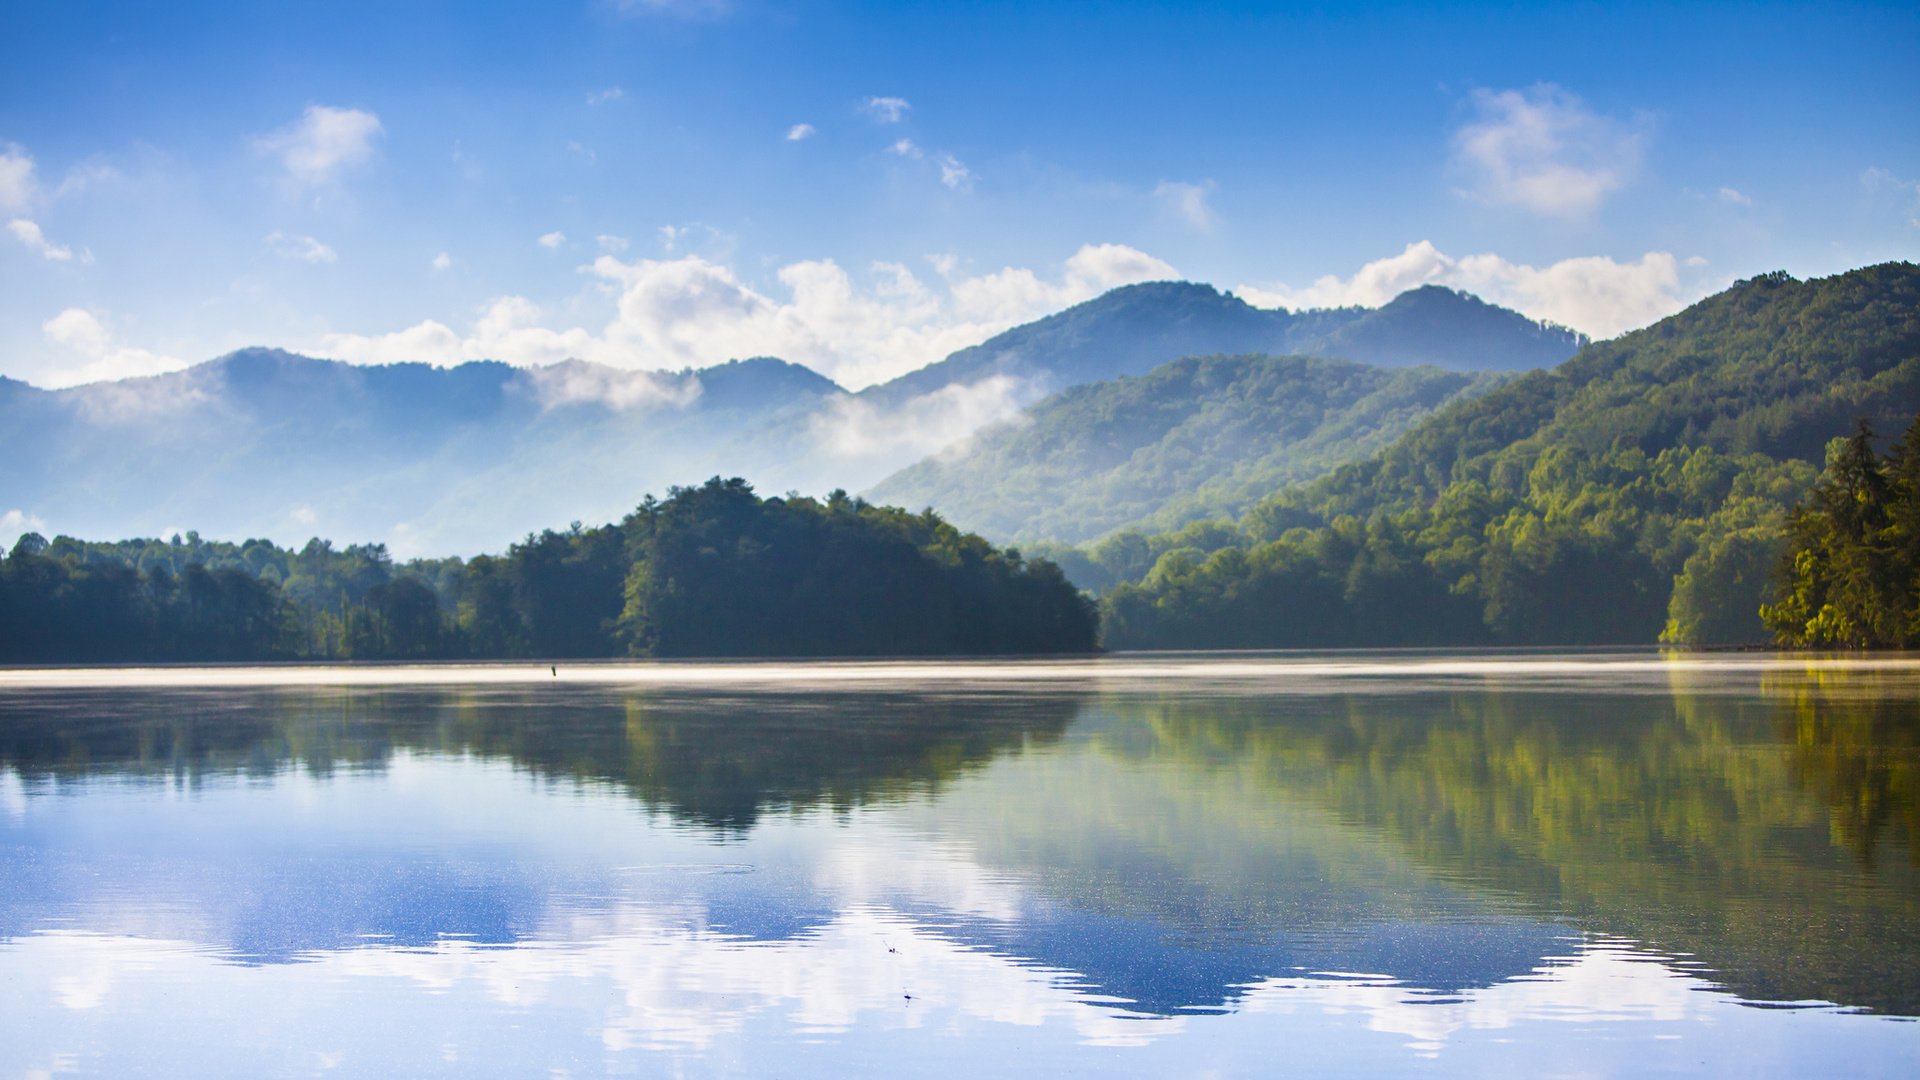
[721,572]
[1850,575]
[1191,439]
[712,571]
[1634,492]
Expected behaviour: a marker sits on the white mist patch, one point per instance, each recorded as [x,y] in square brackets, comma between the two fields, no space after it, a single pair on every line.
[135,401]
[931,423]
[573,382]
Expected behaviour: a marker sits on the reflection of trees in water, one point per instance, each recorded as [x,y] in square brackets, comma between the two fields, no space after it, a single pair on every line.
[1855,742]
[717,761]
[1757,833]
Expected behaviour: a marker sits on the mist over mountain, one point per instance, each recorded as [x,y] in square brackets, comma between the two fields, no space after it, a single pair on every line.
[1195,438]
[431,460]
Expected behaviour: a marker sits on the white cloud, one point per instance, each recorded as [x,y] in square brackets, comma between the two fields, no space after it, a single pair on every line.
[552,241]
[611,243]
[82,332]
[692,312]
[504,329]
[955,175]
[671,235]
[17,184]
[1735,197]
[304,249]
[323,143]
[1189,201]
[29,233]
[442,261]
[601,97]
[1595,295]
[800,131]
[1544,151]
[887,110]
[906,149]
[13,525]
[584,151]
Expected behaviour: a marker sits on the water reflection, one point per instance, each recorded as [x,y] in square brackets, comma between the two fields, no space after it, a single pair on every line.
[1111,869]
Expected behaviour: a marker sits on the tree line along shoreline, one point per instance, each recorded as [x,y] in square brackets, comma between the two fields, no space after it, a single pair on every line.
[718,571]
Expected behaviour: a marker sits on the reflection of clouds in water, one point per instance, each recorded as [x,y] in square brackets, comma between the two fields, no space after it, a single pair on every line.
[688,989]
[13,795]
[1602,982]
[890,863]
[653,984]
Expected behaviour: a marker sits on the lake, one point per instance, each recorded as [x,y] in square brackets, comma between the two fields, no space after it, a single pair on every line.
[1240,864]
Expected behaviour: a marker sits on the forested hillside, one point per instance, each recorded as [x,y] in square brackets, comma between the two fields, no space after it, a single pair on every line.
[1637,491]
[1196,438]
[711,571]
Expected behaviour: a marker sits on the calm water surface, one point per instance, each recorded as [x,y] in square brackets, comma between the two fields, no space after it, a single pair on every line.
[1246,864]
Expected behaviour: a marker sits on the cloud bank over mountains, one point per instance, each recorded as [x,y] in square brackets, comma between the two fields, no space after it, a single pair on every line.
[692,312]
[1596,295]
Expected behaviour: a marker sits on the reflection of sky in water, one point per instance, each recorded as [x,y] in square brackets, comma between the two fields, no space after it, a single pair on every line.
[446,914]
[1120,897]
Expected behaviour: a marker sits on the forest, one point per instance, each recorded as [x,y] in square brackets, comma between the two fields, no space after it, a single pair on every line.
[1638,492]
[713,570]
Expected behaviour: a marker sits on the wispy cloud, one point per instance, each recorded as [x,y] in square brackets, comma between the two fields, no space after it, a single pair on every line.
[1735,197]
[798,132]
[1595,295]
[610,243]
[304,249]
[552,241]
[441,262]
[1188,201]
[601,97]
[678,9]
[906,149]
[325,142]
[18,186]
[1881,183]
[1544,151]
[954,174]
[28,233]
[887,110]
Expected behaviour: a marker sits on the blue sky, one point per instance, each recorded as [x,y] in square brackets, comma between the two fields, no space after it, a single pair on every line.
[865,187]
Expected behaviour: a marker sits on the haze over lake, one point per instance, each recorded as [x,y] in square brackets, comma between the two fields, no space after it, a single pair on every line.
[1354,862]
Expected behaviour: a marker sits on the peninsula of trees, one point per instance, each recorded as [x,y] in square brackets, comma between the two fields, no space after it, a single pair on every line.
[713,570]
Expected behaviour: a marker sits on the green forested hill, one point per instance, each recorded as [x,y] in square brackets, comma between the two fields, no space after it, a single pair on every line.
[1636,489]
[1199,437]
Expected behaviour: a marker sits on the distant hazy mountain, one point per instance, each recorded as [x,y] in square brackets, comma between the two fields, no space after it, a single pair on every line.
[1133,329]
[1195,438]
[267,443]
[440,461]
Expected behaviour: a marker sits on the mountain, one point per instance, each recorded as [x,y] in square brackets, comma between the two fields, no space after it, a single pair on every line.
[268,443]
[1132,329]
[263,443]
[1199,437]
[1635,492]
